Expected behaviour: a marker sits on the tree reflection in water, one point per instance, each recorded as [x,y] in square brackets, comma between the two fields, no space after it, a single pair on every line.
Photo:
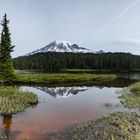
[5,132]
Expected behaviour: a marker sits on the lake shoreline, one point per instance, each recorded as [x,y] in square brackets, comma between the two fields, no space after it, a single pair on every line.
[117,125]
[113,126]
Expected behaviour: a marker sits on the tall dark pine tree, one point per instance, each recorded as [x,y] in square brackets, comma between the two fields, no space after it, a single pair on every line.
[6,66]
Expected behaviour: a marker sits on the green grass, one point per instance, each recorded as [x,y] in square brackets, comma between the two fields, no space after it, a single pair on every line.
[137,137]
[12,100]
[64,78]
[80,70]
[77,70]
[130,96]
[99,70]
[87,70]
[135,88]
[116,126]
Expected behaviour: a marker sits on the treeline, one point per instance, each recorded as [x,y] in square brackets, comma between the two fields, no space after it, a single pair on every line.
[57,61]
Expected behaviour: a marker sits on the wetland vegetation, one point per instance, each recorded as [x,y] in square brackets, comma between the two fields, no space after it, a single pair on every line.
[116,126]
[64,78]
[12,100]
[130,96]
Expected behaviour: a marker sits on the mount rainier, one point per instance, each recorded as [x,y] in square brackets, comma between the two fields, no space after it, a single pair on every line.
[61,46]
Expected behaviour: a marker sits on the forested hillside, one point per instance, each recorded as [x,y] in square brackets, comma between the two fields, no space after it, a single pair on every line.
[56,61]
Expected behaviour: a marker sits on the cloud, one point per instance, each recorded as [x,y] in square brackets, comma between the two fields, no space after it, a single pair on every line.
[118,17]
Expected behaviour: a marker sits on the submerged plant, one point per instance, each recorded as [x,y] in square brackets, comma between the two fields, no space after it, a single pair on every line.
[108,105]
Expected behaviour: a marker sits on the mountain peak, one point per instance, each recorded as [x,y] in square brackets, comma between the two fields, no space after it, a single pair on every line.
[61,42]
[61,46]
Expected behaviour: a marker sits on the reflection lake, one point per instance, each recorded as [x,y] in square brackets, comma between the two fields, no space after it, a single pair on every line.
[60,108]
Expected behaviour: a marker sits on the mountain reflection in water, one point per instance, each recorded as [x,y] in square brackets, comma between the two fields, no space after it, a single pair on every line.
[62,92]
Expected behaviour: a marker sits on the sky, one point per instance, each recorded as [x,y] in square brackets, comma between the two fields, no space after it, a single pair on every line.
[109,25]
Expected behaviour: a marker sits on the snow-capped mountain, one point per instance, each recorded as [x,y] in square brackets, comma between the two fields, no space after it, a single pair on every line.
[62,92]
[61,46]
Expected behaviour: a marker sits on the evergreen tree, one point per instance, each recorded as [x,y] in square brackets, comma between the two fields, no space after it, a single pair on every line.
[6,66]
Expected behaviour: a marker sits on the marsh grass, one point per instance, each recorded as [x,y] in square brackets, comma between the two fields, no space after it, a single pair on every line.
[116,126]
[65,78]
[135,88]
[137,137]
[130,96]
[12,100]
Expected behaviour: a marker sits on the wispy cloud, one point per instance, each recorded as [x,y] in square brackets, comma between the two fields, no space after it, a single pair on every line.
[119,16]
[129,7]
